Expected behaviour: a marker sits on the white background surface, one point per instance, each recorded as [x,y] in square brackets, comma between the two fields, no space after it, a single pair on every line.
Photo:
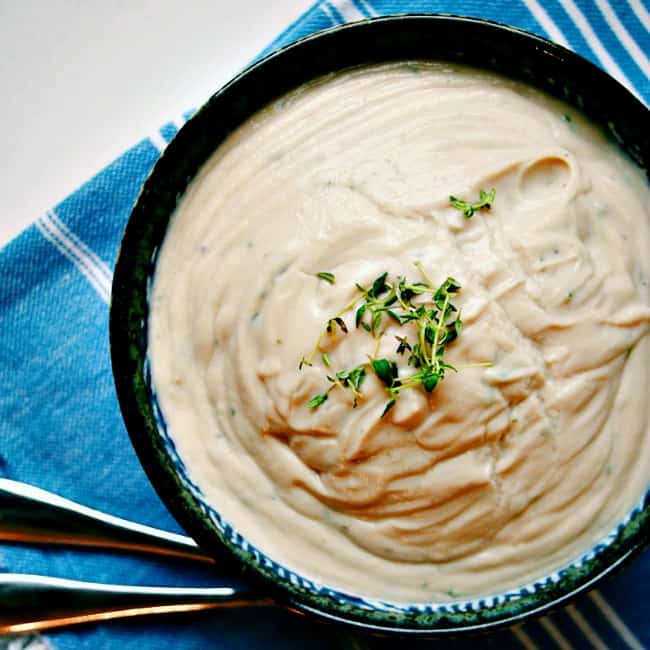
[83,80]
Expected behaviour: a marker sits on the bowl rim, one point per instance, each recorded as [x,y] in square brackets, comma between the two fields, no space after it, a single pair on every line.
[128,321]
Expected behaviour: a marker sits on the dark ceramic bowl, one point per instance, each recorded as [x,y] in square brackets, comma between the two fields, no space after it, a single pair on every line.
[480,43]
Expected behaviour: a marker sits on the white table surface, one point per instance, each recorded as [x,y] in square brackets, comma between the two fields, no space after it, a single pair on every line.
[83,80]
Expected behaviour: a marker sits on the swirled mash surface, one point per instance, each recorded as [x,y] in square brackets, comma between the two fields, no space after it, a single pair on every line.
[499,475]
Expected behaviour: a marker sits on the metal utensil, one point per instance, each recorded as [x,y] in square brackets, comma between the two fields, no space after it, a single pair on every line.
[29,603]
[29,514]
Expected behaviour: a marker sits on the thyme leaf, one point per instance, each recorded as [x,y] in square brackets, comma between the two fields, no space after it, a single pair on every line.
[327,276]
[347,379]
[333,322]
[485,201]
[386,370]
[388,407]
[378,286]
[317,400]
[403,344]
[359,315]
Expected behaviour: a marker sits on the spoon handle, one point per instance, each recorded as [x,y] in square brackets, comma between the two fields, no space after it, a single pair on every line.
[29,603]
[29,514]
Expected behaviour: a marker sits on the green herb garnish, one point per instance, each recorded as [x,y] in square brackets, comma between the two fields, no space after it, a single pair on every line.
[332,324]
[378,301]
[427,307]
[485,201]
[350,379]
[347,380]
[327,276]
[404,345]
[386,370]
[388,407]
[434,332]
[335,322]
[317,400]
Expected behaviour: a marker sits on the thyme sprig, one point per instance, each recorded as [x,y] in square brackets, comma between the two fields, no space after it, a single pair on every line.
[336,322]
[434,332]
[345,379]
[378,300]
[427,307]
[485,201]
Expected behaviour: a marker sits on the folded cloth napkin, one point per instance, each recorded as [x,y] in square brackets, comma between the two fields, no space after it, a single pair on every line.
[60,427]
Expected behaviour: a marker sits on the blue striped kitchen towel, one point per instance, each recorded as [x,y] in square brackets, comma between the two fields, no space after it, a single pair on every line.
[60,426]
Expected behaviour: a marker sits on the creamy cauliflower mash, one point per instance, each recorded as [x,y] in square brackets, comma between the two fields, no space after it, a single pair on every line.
[513,464]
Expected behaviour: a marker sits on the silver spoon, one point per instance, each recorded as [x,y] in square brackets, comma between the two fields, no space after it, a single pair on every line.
[29,514]
[30,603]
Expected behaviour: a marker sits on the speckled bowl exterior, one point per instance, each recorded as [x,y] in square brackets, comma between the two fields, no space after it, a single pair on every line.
[483,44]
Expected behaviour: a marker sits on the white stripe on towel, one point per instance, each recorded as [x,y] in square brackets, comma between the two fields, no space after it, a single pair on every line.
[326,9]
[594,42]
[368,7]
[523,638]
[615,620]
[158,141]
[641,12]
[24,642]
[555,634]
[585,628]
[94,273]
[85,250]
[349,12]
[546,22]
[624,36]
[178,122]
